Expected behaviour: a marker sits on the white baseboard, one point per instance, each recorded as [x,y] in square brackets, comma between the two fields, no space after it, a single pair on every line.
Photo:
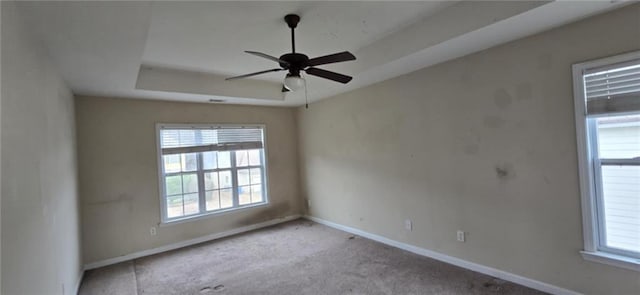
[182,244]
[544,287]
[80,277]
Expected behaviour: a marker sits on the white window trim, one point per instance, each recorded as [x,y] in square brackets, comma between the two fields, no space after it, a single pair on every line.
[164,220]
[586,173]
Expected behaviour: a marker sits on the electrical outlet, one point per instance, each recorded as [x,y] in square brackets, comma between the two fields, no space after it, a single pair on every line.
[460,236]
[152,231]
[408,225]
[308,203]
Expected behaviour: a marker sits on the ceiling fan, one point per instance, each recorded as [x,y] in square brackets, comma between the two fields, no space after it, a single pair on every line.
[297,62]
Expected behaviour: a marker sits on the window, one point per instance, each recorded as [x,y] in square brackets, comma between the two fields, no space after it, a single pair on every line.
[607,103]
[206,169]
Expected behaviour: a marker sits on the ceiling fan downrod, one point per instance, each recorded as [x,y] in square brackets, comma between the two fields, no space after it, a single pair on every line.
[292,21]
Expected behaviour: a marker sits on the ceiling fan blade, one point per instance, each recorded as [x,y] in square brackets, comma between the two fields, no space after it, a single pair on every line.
[329,75]
[331,58]
[253,74]
[269,57]
[285,89]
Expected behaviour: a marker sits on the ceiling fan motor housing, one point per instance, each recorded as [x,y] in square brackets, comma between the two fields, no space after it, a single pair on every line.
[297,62]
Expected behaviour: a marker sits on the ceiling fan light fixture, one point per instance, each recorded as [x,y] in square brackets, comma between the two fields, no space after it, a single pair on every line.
[293,82]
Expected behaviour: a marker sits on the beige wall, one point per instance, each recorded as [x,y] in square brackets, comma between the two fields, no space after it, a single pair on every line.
[40,232]
[427,146]
[118,168]
[0,156]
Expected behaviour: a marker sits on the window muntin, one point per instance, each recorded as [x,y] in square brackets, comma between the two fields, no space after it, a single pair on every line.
[206,169]
[607,100]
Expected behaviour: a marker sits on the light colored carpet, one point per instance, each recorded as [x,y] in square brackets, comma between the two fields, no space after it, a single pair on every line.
[114,279]
[298,257]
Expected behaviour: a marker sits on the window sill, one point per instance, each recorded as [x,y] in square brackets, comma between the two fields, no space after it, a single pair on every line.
[612,259]
[209,215]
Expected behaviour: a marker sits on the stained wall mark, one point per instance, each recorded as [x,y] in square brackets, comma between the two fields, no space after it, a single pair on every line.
[502,98]
[505,171]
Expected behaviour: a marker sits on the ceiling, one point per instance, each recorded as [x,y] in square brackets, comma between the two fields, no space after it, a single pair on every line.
[182,50]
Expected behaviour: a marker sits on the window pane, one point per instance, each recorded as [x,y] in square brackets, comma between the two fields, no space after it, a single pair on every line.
[621,192]
[256,176]
[619,137]
[211,181]
[243,177]
[224,160]
[244,195]
[213,200]
[190,182]
[225,179]
[191,204]
[254,157]
[174,206]
[189,162]
[242,158]
[256,194]
[173,185]
[226,198]
[171,163]
[210,160]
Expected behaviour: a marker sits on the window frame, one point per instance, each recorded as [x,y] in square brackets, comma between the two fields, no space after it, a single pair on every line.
[164,219]
[589,168]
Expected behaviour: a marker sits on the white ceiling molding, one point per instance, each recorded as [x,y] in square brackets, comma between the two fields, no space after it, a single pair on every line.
[171,80]
[183,50]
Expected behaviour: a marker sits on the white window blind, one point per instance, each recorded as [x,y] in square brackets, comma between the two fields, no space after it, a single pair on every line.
[613,88]
[192,140]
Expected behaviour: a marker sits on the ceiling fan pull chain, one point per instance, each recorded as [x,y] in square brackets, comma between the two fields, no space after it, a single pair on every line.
[306,98]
